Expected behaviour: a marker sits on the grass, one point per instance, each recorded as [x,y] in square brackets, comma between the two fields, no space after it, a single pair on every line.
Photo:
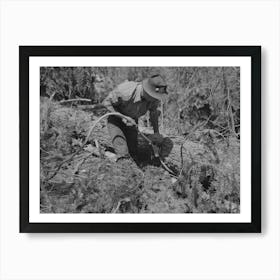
[208,181]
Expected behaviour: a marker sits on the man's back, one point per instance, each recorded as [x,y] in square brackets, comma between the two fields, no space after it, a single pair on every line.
[127,99]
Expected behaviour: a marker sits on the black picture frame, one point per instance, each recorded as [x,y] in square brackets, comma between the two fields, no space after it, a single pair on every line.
[25,52]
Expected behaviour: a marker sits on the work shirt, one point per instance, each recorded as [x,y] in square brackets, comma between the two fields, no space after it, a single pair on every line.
[127,99]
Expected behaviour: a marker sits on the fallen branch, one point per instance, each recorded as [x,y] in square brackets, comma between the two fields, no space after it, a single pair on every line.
[75,100]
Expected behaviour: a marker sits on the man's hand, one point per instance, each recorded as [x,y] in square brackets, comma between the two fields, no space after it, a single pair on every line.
[157,138]
[129,121]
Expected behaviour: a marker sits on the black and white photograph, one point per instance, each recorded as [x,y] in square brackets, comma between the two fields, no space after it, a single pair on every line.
[140,139]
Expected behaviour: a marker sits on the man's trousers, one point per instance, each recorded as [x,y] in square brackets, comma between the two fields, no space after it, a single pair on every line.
[124,138]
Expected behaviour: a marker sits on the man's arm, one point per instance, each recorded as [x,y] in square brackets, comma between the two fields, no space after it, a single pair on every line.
[154,114]
[110,101]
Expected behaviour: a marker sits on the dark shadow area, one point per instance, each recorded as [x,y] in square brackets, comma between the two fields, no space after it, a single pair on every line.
[145,153]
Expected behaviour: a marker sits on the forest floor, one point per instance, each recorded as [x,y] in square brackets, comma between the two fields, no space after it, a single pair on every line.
[207,181]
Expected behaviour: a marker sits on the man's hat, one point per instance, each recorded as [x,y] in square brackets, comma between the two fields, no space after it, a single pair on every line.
[155,86]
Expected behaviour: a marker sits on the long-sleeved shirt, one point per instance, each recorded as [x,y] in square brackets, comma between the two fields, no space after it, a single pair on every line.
[127,99]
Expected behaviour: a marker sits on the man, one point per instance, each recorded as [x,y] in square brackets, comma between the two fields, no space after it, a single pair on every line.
[133,100]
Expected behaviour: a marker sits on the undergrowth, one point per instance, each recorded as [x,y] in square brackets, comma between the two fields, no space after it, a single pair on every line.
[207,182]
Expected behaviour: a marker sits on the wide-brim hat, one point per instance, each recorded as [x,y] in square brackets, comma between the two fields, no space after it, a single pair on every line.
[155,86]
